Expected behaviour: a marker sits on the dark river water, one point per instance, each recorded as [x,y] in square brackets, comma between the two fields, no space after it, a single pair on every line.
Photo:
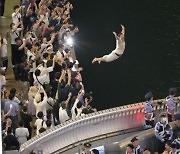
[151,61]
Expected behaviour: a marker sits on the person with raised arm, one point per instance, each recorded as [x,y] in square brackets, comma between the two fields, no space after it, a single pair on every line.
[117,53]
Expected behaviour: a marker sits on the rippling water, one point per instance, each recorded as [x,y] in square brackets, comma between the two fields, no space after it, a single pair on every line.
[152,57]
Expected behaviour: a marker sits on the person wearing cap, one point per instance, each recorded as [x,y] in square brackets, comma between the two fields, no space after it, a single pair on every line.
[137,147]
[171,104]
[118,52]
[148,110]
[163,132]
[87,147]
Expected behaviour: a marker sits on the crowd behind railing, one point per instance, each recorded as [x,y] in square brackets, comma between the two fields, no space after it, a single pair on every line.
[43,62]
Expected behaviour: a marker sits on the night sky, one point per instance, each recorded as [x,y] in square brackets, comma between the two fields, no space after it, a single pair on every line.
[151,61]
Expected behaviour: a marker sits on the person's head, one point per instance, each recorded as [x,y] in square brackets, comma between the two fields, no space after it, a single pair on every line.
[51,26]
[57,75]
[30,11]
[40,114]
[85,111]
[18,41]
[15,8]
[11,96]
[29,46]
[11,25]
[95,151]
[21,123]
[87,147]
[13,90]
[130,148]
[24,109]
[172,91]
[79,105]
[37,72]
[9,130]
[173,147]
[53,13]
[42,129]
[45,55]
[168,146]
[33,90]
[48,123]
[149,96]
[146,151]
[63,105]
[44,40]
[8,122]
[38,98]
[135,141]
[163,117]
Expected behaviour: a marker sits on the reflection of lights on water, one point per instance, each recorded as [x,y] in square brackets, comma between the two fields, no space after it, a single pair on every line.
[69,41]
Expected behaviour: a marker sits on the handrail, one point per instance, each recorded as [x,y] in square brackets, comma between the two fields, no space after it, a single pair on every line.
[96,124]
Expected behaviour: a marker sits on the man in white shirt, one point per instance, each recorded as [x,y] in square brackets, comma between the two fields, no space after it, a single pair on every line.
[16,15]
[14,33]
[40,122]
[40,103]
[21,133]
[77,107]
[3,50]
[63,115]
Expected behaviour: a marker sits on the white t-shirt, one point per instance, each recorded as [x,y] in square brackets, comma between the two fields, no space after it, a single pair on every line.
[30,54]
[63,116]
[46,20]
[14,35]
[41,106]
[39,124]
[79,110]
[2,80]
[4,48]
[22,134]
[15,18]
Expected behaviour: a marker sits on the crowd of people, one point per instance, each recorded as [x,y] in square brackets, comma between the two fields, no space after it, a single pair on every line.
[44,63]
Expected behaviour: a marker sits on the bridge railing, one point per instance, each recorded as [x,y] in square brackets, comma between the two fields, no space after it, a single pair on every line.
[91,125]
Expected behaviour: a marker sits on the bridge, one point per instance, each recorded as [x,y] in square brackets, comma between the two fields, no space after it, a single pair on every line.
[94,127]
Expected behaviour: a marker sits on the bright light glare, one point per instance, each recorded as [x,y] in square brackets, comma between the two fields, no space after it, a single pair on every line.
[69,41]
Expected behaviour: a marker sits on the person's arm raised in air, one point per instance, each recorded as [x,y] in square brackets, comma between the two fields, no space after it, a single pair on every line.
[27,12]
[53,35]
[68,99]
[115,35]
[69,77]
[122,32]
[13,15]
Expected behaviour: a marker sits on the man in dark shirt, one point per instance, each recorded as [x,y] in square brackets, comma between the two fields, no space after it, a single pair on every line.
[10,141]
[27,119]
[19,52]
